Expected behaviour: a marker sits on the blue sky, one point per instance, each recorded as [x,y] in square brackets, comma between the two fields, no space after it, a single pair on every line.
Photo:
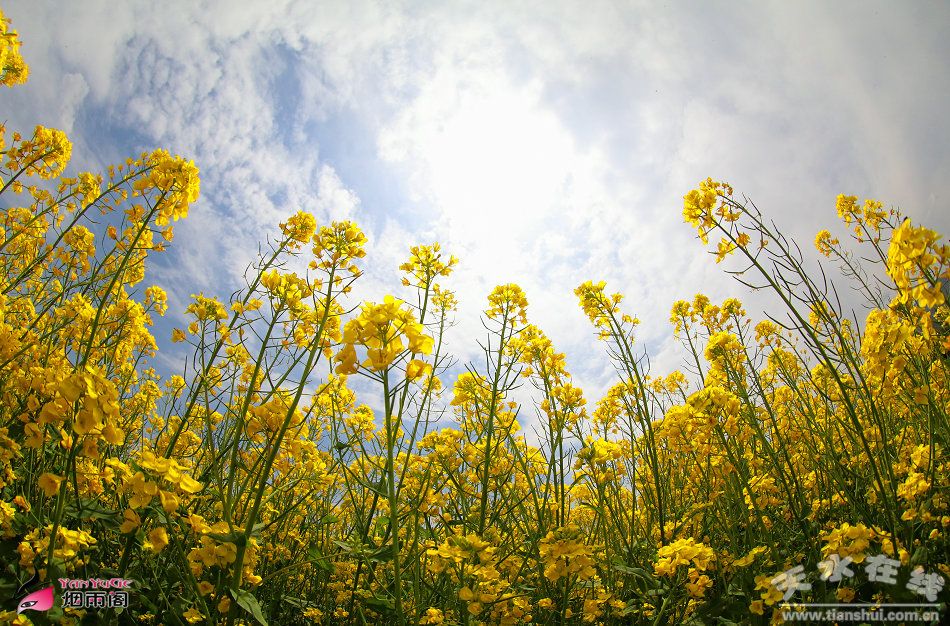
[542,143]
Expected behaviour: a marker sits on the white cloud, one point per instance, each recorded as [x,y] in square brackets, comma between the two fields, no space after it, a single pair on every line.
[543,143]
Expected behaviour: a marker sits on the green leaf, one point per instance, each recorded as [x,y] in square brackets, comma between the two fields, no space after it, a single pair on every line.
[55,615]
[318,558]
[381,603]
[383,554]
[92,510]
[298,603]
[249,603]
[344,546]
[236,537]
[637,572]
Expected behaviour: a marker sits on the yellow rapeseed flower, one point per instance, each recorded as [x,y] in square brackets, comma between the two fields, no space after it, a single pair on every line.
[158,539]
[50,483]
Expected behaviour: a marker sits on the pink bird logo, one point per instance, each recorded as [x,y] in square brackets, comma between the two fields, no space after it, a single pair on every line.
[41,600]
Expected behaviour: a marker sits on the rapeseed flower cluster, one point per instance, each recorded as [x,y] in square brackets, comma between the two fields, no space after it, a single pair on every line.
[386,330]
[13,69]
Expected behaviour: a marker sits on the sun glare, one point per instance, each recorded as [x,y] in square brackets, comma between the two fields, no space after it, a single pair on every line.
[497,160]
